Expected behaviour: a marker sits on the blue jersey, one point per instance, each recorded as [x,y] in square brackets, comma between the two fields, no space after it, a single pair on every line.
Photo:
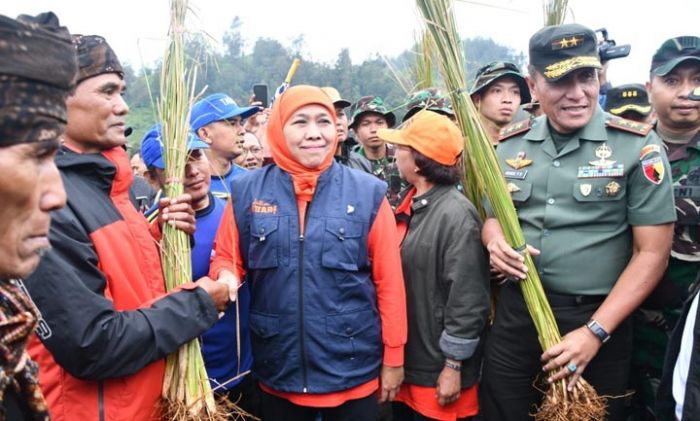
[219,343]
[221,185]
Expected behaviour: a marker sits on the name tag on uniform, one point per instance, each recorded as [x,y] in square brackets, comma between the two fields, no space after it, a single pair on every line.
[686,192]
[515,174]
[594,171]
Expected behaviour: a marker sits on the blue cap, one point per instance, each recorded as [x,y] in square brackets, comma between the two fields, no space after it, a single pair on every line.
[152,146]
[217,107]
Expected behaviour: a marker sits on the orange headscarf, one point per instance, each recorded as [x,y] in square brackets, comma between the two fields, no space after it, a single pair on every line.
[285,106]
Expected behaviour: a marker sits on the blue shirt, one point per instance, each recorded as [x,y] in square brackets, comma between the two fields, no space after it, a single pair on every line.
[221,185]
[219,343]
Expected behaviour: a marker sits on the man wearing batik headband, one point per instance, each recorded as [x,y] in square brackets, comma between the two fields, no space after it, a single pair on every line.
[37,71]
[593,197]
[106,321]
[674,72]
[499,89]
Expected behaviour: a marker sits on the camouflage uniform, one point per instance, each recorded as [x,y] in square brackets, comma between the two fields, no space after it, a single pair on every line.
[429,99]
[657,317]
[385,169]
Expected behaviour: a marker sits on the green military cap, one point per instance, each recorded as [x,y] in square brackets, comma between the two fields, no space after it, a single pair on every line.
[370,104]
[674,52]
[493,71]
[695,94]
[627,98]
[557,50]
[428,99]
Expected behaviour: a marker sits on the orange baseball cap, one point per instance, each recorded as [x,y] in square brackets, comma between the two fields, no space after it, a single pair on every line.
[431,134]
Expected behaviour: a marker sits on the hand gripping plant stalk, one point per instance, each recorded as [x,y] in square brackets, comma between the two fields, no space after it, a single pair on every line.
[186,392]
[482,168]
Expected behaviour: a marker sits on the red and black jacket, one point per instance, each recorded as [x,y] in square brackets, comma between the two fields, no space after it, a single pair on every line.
[106,321]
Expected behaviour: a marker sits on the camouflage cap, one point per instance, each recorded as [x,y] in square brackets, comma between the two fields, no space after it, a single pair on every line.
[556,51]
[674,52]
[496,70]
[95,57]
[370,104]
[37,72]
[627,98]
[428,99]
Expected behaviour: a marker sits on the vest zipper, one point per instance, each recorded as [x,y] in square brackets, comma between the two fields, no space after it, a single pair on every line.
[302,330]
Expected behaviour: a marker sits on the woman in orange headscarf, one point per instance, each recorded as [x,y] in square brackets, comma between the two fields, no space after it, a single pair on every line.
[317,242]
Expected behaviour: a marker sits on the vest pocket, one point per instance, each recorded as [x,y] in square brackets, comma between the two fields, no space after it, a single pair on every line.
[263,249]
[355,338]
[265,339]
[341,244]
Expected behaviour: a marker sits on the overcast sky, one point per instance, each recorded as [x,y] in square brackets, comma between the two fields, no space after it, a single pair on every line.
[136,29]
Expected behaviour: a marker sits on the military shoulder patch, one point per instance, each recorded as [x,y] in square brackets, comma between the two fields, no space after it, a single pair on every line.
[640,129]
[514,129]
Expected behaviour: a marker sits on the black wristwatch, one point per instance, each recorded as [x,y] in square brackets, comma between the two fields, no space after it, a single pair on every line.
[598,331]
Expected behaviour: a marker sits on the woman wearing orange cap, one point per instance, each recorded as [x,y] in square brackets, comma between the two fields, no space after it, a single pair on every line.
[317,242]
[445,270]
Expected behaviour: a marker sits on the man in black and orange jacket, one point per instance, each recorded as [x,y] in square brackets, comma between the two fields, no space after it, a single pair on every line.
[107,323]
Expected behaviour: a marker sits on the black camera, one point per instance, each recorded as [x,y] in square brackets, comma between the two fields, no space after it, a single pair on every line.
[608,49]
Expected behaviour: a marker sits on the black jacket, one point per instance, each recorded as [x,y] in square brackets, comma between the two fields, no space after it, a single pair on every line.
[106,321]
[446,274]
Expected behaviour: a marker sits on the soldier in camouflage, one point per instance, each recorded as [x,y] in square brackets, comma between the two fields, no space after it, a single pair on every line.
[369,114]
[429,99]
[675,70]
[498,90]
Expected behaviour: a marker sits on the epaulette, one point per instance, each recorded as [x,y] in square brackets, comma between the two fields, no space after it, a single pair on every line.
[514,129]
[640,129]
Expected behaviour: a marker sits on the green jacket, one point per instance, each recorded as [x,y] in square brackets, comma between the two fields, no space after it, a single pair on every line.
[446,273]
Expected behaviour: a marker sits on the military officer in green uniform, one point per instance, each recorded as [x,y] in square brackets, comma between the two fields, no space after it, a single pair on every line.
[594,200]
[675,70]
[368,115]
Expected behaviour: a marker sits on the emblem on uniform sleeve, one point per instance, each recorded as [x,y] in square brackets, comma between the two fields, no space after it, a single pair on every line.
[520,161]
[653,169]
[648,150]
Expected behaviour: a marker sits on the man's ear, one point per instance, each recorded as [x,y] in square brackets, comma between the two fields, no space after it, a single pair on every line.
[203,134]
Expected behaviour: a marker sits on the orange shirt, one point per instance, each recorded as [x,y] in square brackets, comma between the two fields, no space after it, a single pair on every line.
[423,400]
[387,275]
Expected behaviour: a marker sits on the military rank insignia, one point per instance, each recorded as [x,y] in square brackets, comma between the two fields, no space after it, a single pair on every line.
[640,129]
[567,42]
[514,129]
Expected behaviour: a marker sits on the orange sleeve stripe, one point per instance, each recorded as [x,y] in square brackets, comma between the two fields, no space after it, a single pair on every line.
[388,280]
[227,254]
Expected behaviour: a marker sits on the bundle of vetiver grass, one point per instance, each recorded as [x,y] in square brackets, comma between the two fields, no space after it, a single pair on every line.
[187,394]
[481,165]
[554,11]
